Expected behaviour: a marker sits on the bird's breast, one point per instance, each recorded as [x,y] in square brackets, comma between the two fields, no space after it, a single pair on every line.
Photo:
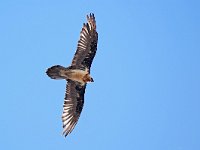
[76,75]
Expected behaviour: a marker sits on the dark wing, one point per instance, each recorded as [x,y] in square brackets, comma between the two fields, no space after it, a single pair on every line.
[87,45]
[73,105]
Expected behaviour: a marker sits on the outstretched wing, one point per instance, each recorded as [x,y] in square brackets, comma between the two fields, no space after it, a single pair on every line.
[87,45]
[73,105]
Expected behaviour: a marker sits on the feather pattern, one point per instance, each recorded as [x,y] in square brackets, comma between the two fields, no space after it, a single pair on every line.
[87,44]
[73,105]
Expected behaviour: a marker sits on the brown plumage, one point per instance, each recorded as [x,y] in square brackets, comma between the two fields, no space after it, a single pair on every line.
[77,75]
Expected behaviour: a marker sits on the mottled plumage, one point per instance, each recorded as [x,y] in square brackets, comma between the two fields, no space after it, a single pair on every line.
[77,75]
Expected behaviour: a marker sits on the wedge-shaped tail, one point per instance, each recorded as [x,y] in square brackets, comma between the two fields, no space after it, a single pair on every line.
[54,72]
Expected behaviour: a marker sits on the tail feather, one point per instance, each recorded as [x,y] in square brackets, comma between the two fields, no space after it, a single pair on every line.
[54,72]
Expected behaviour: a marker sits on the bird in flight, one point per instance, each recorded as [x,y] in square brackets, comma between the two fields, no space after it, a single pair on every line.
[77,74]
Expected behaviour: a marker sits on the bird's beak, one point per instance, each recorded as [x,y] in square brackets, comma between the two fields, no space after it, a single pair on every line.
[92,80]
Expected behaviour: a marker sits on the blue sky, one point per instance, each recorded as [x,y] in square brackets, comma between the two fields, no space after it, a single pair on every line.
[147,75]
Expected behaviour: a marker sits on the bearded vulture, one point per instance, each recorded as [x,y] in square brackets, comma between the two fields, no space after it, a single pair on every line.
[77,74]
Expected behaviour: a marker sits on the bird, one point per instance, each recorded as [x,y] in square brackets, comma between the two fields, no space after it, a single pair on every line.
[77,74]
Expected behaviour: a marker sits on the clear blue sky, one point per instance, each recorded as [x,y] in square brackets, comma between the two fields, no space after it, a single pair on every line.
[146,94]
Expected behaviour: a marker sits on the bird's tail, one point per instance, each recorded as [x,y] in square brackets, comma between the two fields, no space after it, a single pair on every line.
[54,72]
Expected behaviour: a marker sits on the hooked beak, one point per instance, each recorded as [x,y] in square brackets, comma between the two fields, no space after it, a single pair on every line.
[91,80]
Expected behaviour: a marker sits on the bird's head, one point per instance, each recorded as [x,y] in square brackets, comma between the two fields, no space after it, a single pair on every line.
[88,78]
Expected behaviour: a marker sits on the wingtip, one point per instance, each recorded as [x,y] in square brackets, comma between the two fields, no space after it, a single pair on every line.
[64,134]
[91,21]
[91,15]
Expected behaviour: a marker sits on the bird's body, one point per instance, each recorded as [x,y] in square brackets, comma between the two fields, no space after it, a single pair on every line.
[81,76]
[77,74]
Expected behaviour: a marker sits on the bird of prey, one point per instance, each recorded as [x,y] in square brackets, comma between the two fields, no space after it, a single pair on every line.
[77,74]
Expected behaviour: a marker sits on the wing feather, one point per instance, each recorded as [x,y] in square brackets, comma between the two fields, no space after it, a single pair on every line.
[73,105]
[87,44]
